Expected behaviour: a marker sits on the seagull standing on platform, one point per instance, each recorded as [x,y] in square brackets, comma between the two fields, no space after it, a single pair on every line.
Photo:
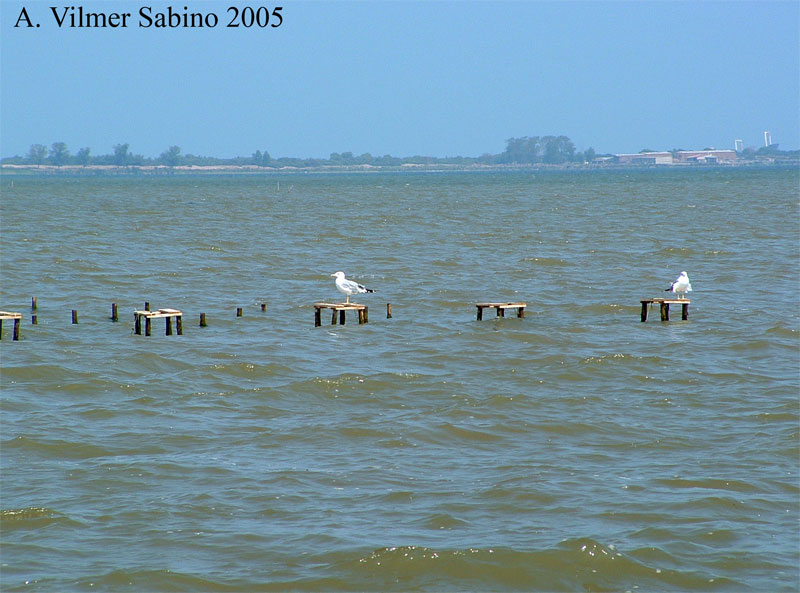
[349,287]
[681,286]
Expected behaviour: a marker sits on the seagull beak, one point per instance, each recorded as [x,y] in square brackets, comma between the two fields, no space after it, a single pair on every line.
[333,274]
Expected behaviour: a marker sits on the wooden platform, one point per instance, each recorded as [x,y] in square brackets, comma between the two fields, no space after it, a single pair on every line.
[501,308]
[167,314]
[339,309]
[665,303]
[17,317]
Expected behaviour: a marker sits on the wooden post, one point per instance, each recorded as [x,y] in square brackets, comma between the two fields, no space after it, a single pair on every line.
[168,329]
[366,314]
[333,317]
[645,306]
[1,329]
[74,316]
[685,311]
[114,315]
[147,326]
[16,329]
[33,303]
[238,311]
[520,312]
[317,317]
[664,311]
[388,310]
[137,324]
[341,317]
[179,324]
[34,320]
[480,312]
[263,307]
[202,320]
[360,316]
[146,306]
[501,312]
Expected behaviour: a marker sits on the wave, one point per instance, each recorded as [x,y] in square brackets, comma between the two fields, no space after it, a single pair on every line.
[33,518]
[581,564]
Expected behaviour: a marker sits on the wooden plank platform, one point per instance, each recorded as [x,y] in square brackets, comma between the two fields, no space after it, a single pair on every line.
[17,317]
[339,309]
[167,314]
[664,304]
[501,308]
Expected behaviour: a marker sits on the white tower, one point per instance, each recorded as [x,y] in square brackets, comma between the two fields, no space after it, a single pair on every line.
[738,145]
[767,138]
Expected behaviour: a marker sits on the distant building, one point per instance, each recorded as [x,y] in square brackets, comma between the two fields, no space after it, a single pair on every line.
[738,145]
[707,157]
[645,158]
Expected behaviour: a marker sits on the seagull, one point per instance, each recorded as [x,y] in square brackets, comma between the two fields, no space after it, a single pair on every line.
[349,287]
[681,286]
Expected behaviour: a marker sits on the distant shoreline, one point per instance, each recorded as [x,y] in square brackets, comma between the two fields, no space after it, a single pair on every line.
[439,167]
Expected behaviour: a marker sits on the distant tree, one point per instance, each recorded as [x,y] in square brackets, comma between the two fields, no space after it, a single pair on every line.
[82,157]
[522,150]
[589,155]
[257,158]
[37,153]
[171,157]
[266,160]
[557,150]
[59,153]
[772,149]
[121,154]
[388,160]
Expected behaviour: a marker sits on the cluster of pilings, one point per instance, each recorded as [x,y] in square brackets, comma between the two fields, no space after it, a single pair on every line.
[144,317]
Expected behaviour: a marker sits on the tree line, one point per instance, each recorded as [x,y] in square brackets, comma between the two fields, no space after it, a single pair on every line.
[525,150]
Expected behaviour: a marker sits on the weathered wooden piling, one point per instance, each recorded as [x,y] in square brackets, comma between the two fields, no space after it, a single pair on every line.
[148,315]
[388,310]
[238,311]
[114,313]
[74,316]
[339,310]
[263,307]
[34,320]
[17,317]
[664,305]
[501,308]
[146,306]
[203,320]
[33,304]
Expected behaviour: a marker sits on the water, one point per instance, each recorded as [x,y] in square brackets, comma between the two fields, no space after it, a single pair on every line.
[576,449]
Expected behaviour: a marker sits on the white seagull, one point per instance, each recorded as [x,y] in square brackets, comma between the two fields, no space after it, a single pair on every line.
[349,287]
[681,286]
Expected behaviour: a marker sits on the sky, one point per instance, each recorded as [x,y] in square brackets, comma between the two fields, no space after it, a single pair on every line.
[403,77]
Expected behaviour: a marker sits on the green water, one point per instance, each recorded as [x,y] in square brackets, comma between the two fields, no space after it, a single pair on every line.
[576,449]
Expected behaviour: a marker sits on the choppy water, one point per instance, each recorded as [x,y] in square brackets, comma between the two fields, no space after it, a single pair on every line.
[576,449]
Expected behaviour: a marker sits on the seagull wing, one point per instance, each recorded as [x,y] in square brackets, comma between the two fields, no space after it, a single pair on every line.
[352,287]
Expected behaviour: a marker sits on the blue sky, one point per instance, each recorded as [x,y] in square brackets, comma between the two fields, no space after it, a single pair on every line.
[405,78]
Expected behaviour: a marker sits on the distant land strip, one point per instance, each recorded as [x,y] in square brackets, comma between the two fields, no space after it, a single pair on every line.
[524,152]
